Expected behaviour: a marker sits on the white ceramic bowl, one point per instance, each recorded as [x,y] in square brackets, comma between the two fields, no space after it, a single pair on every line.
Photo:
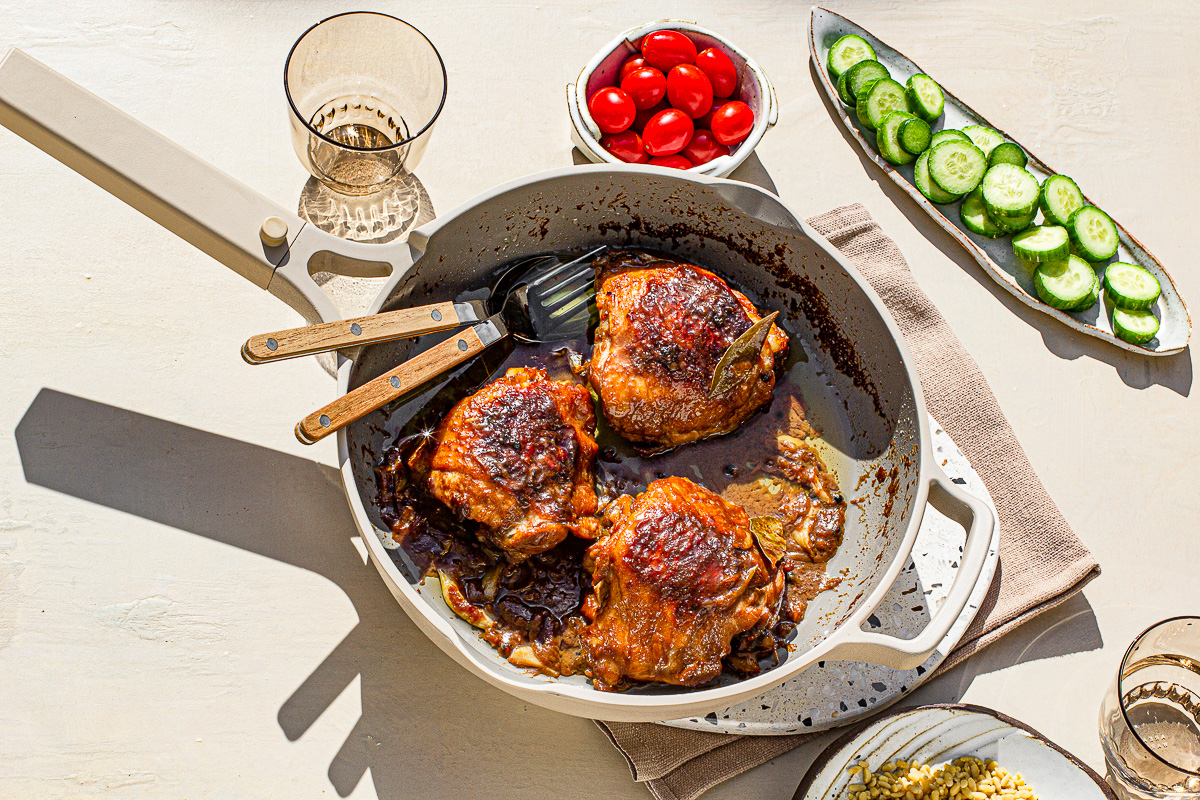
[754,89]
[938,734]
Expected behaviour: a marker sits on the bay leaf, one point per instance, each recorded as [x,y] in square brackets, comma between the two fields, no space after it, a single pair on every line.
[746,346]
[768,532]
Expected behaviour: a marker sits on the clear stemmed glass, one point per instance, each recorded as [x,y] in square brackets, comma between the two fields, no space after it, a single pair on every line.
[1150,718]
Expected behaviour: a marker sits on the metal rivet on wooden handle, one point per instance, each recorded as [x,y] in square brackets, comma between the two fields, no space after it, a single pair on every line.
[326,336]
[387,387]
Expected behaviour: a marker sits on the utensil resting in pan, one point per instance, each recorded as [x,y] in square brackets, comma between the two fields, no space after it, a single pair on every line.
[537,300]
[546,301]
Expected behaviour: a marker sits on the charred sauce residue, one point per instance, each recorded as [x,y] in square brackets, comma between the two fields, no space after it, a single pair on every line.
[768,466]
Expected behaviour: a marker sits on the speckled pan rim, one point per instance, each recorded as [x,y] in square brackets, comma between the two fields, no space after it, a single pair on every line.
[989,266]
[845,740]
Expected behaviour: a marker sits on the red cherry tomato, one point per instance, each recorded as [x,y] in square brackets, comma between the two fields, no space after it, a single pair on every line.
[612,109]
[706,120]
[647,86]
[637,62]
[689,90]
[732,122]
[720,70]
[667,132]
[626,146]
[645,115]
[703,147]
[665,49]
[677,161]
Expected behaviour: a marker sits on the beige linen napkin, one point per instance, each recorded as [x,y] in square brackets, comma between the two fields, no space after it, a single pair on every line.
[1042,562]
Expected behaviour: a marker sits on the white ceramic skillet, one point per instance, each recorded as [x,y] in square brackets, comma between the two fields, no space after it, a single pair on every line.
[858,381]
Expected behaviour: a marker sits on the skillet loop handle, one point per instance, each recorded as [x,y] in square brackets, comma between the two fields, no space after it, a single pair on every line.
[977,517]
[389,386]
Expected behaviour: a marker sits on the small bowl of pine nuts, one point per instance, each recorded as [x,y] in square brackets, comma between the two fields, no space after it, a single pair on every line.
[948,752]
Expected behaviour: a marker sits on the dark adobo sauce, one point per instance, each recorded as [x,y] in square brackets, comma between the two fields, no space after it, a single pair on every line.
[532,612]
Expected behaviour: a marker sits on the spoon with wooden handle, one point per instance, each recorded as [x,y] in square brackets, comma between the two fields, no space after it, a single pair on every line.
[399,324]
[388,325]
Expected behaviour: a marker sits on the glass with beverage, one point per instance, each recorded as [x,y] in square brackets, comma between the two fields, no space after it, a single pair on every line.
[365,90]
[1150,718]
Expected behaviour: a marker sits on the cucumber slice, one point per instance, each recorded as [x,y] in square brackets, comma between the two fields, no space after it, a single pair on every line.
[925,98]
[1064,284]
[1008,153]
[914,135]
[1093,295]
[957,167]
[933,193]
[973,214]
[884,97]
[1010,224]
[1060,198]
[887,138]
[843,90]
[846,52]
[860,76]
[1094,234]
[1130,287]
[947,133]
[1010,191]
[1136,327]
[1043,243]
[985,139]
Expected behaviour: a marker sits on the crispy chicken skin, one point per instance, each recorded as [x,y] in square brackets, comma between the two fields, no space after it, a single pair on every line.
[518,457]
[664,325]
[676,576]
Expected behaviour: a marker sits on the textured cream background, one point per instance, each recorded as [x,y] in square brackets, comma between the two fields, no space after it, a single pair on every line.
[208,627]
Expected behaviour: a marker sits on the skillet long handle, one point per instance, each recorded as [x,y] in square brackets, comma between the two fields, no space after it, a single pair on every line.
[389,325]
[380,391]
[186,195]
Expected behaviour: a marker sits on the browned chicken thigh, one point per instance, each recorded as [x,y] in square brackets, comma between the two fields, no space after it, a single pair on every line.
[664,326]
[677,576]
[518,458]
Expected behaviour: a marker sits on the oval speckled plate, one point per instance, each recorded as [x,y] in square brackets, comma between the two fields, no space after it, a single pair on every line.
[995,255]
[939,734]
[834,693]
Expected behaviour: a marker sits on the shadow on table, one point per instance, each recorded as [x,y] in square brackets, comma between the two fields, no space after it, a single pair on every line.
[295,511]
[1137,371]
[1068,628]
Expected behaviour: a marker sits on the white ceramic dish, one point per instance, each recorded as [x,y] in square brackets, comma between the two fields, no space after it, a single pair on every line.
[996,255]
[939,734]
[834,693]
[756,91]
